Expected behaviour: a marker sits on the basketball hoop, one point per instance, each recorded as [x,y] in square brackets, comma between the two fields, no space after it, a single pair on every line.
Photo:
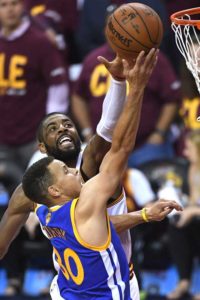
[187,37]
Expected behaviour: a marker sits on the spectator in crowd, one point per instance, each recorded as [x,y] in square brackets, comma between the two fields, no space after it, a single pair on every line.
[138,189]
[161,99]
[184,235]
[59,20]
[190,107]
[30,82]
[90,33]
[33,82]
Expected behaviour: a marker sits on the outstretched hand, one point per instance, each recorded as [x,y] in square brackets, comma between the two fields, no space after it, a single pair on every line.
[160,209]
[114,67]
[138,73]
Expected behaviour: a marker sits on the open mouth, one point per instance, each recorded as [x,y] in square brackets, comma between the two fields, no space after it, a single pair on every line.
[65,140]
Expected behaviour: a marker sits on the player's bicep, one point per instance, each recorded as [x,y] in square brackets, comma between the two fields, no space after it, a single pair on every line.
[94,196]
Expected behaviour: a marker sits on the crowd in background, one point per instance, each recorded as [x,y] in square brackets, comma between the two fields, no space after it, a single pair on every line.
[49,63]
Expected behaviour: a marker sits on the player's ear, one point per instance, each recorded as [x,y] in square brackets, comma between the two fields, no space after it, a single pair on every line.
[53,191]
[42,148]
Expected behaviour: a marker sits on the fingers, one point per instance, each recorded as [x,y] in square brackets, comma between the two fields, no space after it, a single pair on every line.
[140,58]
[170,203]
[166,212]
[151,59]
[104,61]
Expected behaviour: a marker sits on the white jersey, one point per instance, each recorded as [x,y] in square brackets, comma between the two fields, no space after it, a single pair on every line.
[119,207]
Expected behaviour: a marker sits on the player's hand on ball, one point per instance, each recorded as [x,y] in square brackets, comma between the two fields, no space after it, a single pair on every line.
[138,74]
[160,209]
[115,67]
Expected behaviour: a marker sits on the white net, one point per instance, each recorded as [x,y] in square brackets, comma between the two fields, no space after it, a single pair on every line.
[187,39]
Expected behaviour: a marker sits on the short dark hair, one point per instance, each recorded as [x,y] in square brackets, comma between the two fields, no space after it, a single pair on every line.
[37,179]
[39,134]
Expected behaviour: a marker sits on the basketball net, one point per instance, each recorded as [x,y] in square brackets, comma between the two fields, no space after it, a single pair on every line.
[188,43]
[187,37]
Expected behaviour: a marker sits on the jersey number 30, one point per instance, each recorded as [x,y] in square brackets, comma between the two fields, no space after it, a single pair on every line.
[66,268]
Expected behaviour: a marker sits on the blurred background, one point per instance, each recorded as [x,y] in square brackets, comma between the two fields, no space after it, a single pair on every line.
[68,35]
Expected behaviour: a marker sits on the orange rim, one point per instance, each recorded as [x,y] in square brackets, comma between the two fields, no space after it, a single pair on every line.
[175,17]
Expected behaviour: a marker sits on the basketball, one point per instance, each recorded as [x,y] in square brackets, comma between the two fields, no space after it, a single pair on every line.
[132,28]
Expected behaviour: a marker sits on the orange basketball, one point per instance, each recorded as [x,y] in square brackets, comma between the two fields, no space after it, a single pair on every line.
[132,28]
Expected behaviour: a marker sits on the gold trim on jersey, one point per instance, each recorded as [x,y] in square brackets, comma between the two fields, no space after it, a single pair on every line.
[36,10]
[54,208]
[116,200]
[36,206]
[79,239]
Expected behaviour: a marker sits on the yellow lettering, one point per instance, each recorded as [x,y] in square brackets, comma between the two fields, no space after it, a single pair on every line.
[59,261]
[69,253]
[3,82]
[100,81]
[189,112]
[39,9]
[16,70]
[66,268]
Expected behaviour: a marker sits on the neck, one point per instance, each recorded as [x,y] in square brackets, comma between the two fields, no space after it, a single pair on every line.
[61,201]
[7,30]
[71,163]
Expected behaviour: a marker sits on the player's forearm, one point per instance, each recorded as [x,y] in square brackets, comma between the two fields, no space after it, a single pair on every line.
[127,221]
[126,129]
[112,107]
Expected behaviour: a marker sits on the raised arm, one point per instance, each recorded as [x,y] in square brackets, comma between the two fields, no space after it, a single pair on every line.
[111,171]
[14,218]
[112,107]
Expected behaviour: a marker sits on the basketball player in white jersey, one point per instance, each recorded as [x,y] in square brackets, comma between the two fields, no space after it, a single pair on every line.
[126,137]
[58,137]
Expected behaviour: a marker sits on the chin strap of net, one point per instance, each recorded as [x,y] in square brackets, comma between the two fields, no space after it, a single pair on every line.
[188,43]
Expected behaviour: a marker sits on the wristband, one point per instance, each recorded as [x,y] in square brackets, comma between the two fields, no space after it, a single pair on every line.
[144,215]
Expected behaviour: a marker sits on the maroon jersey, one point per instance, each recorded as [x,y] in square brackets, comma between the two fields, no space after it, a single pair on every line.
[94,81]
[60,14]
[29,64]
[163,87]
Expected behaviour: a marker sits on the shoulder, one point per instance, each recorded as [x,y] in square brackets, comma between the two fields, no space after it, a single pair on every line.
[38,36]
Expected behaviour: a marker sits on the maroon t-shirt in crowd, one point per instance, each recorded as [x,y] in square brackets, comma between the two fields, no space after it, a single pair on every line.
[93,82]
[60,14]
[163,88]
[28,66]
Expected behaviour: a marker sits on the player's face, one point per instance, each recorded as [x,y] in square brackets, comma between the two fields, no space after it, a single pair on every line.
[61,139]
[190,151]
[67,180]
[11,12]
